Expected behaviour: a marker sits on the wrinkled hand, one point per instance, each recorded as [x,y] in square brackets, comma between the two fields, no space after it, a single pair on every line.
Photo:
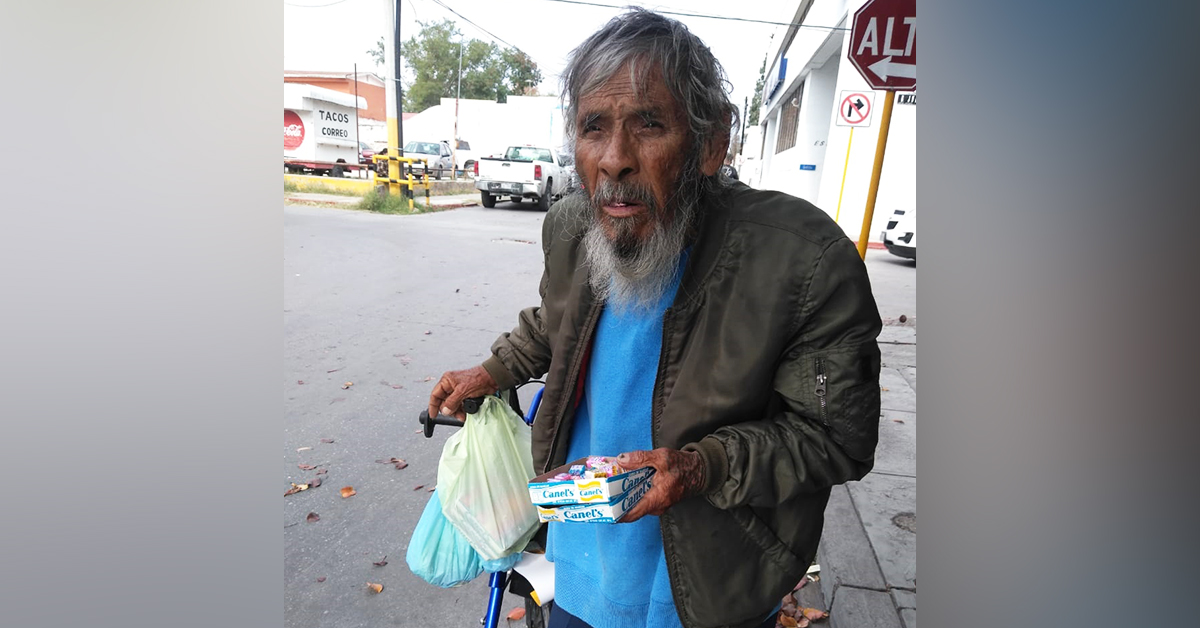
[678,474]
[454,386]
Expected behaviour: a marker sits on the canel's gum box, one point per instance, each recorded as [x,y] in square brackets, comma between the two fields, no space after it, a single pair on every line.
[601,512]
[546,491]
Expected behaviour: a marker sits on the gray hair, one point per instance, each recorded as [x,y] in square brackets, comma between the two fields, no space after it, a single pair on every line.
[691,73]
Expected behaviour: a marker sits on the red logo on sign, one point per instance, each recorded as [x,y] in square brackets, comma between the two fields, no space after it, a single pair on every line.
[883,44]
[293,130]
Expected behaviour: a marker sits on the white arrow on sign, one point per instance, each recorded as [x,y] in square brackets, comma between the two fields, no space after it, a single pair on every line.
[885,67]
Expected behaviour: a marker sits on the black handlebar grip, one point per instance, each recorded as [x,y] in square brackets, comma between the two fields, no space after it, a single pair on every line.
[470,405]
[437,420]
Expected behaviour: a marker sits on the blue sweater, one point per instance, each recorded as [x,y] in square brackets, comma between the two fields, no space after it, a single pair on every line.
[615,575]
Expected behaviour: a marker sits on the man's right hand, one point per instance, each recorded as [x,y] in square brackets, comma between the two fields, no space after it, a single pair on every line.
[454,386]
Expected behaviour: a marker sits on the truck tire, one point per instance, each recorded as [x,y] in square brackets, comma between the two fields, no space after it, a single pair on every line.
[544,200]
[488,200]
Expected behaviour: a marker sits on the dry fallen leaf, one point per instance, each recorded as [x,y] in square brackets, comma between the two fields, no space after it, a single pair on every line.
[322,471]
[347,385]
[790,622]
[802,622]
[300,382]
[432,489]
[348,491]
[516,614]
[296,488]
[314,483]
[418,487]
[375,588]
[397,386]
[381,563]
[312,517]
[321,579]
[326,440]
[883,389]
[897,421]
[336,369]
[306,467]
[790,599]
[813,613]
[303,448]
[417,431]
[427,332]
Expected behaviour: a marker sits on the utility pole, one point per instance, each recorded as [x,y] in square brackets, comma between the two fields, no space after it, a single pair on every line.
[399,90]
[394,95]
[457,95]
[357,140]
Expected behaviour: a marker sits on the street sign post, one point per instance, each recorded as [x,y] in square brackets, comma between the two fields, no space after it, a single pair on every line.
[883,47]
[855,107]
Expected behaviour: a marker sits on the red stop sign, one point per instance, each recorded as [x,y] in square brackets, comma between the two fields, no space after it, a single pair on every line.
[883,44]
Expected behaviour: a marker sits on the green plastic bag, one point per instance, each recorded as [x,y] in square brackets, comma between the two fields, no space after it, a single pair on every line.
[483,481]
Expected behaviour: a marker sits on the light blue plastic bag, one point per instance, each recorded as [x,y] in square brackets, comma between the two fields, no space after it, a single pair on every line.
[438,552]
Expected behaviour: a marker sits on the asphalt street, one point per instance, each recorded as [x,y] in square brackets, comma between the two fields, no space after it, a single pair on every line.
[386,304]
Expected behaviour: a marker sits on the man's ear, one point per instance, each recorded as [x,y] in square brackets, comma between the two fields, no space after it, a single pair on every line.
[714,154]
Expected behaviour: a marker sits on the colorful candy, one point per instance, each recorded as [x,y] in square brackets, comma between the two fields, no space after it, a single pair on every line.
[594,468]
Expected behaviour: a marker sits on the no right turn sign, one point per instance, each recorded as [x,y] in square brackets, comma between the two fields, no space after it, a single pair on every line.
[855,107]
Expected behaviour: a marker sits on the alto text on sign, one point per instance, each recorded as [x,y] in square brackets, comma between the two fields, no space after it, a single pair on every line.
[883,44]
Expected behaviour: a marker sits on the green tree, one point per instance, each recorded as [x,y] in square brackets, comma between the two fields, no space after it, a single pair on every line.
[432,56]
[756,101]
[377,52]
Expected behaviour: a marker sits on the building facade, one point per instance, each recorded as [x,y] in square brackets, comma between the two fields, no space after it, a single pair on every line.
[803,150]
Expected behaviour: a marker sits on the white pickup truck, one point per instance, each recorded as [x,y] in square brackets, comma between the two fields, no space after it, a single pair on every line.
[524,172]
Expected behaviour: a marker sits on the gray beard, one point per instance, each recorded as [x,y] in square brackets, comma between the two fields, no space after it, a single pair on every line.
[626,273]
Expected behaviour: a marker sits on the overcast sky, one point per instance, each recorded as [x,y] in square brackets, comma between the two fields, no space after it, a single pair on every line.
[337,36]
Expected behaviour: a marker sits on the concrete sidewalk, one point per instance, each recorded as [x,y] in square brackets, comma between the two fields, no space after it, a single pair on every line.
[450,201]
[868,552]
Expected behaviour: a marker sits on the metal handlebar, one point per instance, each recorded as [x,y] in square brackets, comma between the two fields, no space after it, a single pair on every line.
[470,405]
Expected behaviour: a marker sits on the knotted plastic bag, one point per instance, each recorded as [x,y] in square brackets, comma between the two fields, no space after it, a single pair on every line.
[483,481]
[438,552]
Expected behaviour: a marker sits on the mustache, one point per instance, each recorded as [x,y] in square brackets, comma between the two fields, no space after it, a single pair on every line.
[611,193]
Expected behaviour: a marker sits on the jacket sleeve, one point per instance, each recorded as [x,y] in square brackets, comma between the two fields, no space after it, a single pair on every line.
[828,384]
[524,353]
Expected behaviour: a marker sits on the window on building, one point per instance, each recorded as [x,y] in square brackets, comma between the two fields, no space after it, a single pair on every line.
[789,119]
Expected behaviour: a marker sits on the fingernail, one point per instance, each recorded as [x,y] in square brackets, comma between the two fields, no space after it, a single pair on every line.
[446,411]
[622,458]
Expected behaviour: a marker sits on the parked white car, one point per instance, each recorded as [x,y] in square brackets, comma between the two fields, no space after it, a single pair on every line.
[436,154]
[524,172]
[900,237]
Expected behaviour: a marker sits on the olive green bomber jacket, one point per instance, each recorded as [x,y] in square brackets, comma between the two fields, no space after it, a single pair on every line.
[769,370]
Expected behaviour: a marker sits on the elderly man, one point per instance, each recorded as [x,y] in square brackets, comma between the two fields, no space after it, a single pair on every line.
[723,335]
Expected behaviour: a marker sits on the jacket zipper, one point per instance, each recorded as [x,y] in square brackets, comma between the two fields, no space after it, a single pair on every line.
[572,381]
[656,402]
[821,379]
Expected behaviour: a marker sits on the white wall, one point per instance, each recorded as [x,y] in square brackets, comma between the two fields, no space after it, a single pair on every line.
[819,58]
[491,127]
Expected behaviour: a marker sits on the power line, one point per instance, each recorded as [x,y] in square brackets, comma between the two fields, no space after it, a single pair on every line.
[478,26]
[710,17]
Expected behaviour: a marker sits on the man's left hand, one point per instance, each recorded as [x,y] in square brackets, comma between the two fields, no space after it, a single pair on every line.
[678,474]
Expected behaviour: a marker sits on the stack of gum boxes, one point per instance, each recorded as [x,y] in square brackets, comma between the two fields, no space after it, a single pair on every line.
[589,490]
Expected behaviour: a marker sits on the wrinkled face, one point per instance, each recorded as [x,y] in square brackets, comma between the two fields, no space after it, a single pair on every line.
[630,149]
